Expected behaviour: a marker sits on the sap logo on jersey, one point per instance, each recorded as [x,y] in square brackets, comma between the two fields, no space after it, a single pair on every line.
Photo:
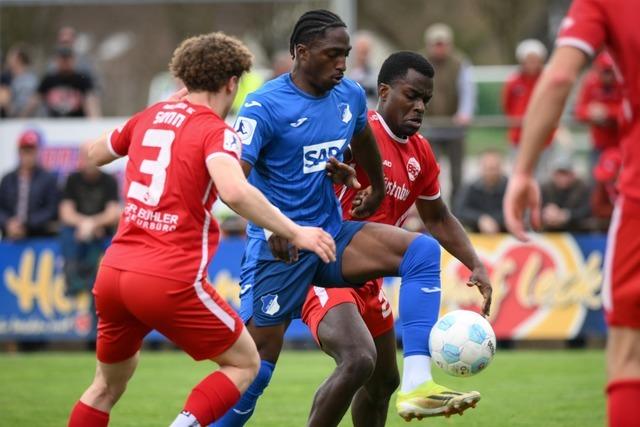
[315,156]
[245,128]
[270,304]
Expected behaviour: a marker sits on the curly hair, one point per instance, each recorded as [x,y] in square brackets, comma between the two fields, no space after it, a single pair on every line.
[207,62]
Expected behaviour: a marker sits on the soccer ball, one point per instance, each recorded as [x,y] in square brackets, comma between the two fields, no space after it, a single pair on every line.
[462,343]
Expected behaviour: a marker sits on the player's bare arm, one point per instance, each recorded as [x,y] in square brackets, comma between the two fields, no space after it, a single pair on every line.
[247,201]
[99,152]
[543,113]
[366,153]
[448,231]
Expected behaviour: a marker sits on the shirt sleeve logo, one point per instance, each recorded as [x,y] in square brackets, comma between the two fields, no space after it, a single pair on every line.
[413,168]
[346,112]
[231,142]
[245,127]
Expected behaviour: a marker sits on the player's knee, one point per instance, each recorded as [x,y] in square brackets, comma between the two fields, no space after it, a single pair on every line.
[253,365]
[107,393]
[385,386]
[423,254]
[359,365]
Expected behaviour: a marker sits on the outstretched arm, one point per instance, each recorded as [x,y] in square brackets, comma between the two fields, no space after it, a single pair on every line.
[448,231]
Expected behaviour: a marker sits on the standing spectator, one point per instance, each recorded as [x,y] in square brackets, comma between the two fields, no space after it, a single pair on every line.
[531,55]
[19,84]
[65,91]
[89,213]
[362,71]
[605,192]
[479,206]
[68,38]
[452,106]
[28,195]
[599,105]
[565,198]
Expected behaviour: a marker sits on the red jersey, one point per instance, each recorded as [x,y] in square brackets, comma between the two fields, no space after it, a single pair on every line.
[607,134]
[410,172]
[515,98]
[166,228]
[593,24]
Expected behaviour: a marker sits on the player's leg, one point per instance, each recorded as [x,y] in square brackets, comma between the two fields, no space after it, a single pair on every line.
[343,336]
[381,250]
[623,368]
[371,403]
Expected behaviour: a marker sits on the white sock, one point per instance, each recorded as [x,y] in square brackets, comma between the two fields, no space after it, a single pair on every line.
[415,370]
[185,419]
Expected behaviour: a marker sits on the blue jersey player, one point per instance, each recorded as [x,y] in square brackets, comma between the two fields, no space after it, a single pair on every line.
[290,129]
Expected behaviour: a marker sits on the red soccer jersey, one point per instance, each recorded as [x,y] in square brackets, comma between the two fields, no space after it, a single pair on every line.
[166,228]
[589,26]
[515,98]
[410,172]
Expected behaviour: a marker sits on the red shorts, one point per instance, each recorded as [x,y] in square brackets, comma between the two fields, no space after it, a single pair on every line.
[370,299]
[621,287]
[130,305]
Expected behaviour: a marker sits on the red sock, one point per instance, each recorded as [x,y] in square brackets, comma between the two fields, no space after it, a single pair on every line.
[623,400]
[210,399]
[84,415]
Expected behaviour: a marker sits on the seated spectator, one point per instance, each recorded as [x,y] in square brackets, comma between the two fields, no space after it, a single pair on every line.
[66,92]
[19,84]
[28,195]
[565,198]
[89,213]
[599,105]
[479,206]
[605,193]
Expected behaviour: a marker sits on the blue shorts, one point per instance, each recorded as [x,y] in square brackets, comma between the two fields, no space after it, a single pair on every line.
[273,292]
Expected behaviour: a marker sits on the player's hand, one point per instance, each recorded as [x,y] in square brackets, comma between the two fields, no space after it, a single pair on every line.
[282,249]
[179,95]
[480,278]
[316,240]
[341,173]
[365,203]
[522,196]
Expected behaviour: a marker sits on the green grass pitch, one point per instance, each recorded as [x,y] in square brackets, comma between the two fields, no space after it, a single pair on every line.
[520,388]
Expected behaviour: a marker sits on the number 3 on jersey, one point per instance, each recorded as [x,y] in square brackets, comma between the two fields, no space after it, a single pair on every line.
[150,194]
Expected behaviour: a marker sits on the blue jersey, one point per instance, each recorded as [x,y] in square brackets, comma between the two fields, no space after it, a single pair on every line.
[287,137]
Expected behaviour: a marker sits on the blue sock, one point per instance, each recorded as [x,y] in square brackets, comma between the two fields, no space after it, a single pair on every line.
[419,294]
[242,411]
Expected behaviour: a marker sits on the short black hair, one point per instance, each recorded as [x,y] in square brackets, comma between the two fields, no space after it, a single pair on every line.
[311,25]
[398,64]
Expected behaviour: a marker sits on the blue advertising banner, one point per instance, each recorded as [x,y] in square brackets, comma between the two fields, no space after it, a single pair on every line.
[546,289]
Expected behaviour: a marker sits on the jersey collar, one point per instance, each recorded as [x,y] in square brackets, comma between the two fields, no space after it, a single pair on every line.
[391,134]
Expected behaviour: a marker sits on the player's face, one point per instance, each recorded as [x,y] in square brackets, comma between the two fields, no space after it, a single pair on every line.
[402,103]
[325,60]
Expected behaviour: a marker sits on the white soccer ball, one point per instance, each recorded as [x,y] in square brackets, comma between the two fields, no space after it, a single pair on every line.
[462,343]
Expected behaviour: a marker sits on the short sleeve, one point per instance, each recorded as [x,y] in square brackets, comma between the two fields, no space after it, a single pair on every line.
[361,117]
[430,185]
[254,127]
[119,140]
[69,190]
[583,27]
[222,141]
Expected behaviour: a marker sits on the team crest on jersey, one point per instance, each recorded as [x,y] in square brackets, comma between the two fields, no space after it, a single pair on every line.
[346,112]
[245,128]
[270,304]
[413,168]
[231,142]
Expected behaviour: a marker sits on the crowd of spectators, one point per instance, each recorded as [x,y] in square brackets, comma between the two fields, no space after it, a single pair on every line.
[66,87]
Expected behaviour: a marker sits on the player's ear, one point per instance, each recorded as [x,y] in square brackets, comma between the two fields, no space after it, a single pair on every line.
[232,84]
[301,51]
[383,91]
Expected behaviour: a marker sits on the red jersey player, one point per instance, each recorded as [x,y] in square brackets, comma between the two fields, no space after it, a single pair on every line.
[355,326]
[590,26]
[181,156]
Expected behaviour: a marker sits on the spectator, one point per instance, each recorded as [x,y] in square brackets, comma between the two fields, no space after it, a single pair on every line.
[362,71]
[565,198]
[68,38]
[604,192]
[531,55]
[479,206]
[89,213]
[19,84]
[281,64]
[599,105]
[65,91]
[454,96]
[28,195]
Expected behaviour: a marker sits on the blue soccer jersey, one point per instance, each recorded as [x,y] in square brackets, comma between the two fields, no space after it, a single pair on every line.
[287,137]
